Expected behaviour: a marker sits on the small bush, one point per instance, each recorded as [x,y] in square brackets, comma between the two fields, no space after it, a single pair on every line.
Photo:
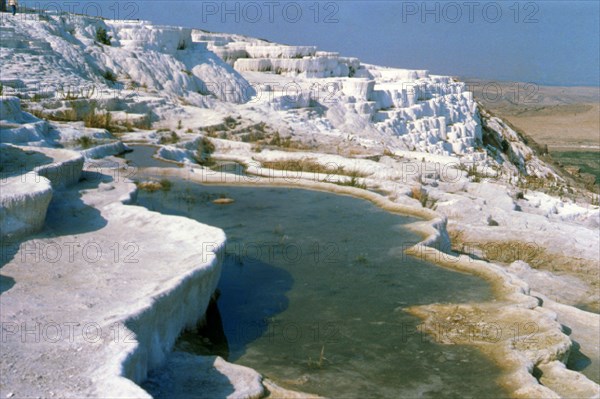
[231,123]
[204,152]
[252,137]
[351,71]
[165,185]
[97,120]
[102,36]
[37,113]
[208,146]
[68,115]
[149,186]
[388,153]
[109,75]
[472,172]
[420,195]
[37,97]
[173,138]
[510,251]
[276,140]
[492,222]
[353,182]
[182,45]
[423,197]
[145,122]
[70,95]
[125,125]
[84,142]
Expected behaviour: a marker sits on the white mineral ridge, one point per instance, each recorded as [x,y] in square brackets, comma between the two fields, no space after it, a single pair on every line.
[20,127]
[564,288]
[65,56]
[205,377]
[104,150]
[23,203]
[161,70]
[166,270]
[26,187]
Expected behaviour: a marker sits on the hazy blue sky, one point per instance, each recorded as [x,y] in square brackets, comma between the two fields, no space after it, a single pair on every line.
[546,42]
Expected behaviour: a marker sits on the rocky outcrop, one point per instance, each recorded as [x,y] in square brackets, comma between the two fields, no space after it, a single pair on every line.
[24,201]
[135,277]
[25,193]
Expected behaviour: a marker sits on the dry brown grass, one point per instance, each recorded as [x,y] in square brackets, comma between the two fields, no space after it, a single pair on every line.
[502,251]
[561,117]
[416,192]
[98,120]
[564,126]
[310,165]
[538,257]
[153,185]
[511,251]
[420,194]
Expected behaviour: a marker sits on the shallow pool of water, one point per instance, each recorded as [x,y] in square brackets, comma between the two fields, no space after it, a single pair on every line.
[313,291]
[142,156]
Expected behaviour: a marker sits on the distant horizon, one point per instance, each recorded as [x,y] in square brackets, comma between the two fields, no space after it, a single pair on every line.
[465,78]
[550,43]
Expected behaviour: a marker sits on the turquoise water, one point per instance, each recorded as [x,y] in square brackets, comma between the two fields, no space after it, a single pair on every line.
[312,295]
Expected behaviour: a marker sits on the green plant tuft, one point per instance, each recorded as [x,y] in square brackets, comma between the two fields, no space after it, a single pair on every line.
[102,36]
[109,75]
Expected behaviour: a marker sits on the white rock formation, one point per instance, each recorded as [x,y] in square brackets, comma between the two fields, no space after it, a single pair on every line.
[27,180]
[430,146]
[24,201]
[70,63]
[130,281]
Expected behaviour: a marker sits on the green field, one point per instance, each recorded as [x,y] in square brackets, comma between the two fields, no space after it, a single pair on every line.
[588,161]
